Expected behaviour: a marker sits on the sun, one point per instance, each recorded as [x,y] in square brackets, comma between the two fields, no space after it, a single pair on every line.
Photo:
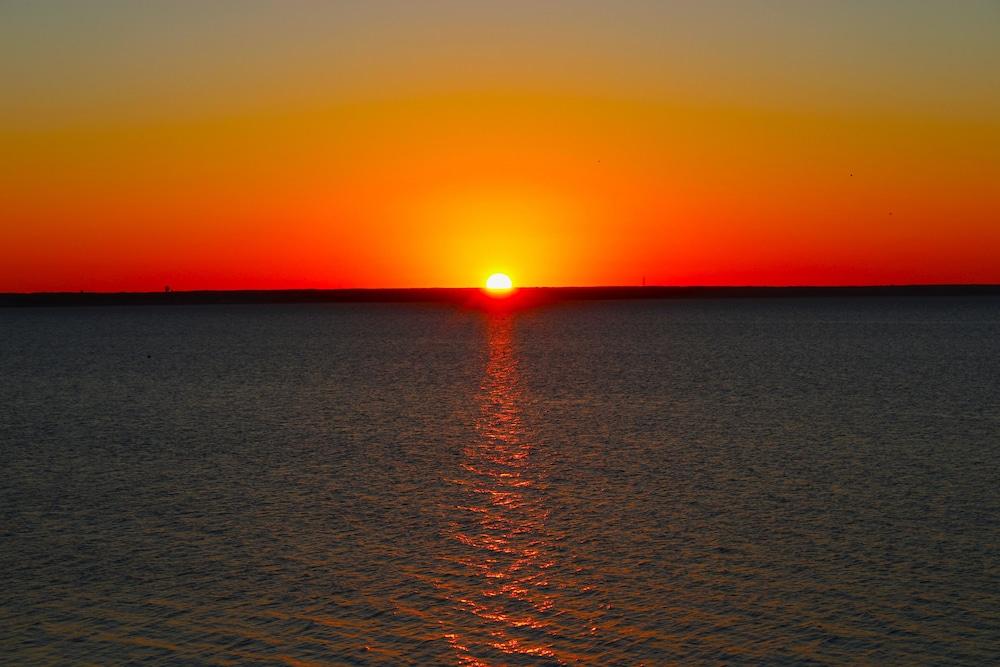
[499,282]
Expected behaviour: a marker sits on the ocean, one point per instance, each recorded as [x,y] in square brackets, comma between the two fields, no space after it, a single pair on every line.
[738,481]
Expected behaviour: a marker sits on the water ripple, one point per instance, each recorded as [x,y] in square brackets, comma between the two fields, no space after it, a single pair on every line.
[653,483]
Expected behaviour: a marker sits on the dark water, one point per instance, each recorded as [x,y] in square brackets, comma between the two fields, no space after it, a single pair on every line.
[781,481]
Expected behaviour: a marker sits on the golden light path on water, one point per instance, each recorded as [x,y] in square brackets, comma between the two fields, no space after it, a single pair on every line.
[508,551]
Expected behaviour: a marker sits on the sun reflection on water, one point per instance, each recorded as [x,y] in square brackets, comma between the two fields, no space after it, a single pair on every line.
[507,550]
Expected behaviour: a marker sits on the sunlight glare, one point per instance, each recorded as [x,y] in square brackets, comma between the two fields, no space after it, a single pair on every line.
[499,282]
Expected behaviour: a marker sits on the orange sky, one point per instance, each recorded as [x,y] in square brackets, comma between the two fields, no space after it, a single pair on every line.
[273,145]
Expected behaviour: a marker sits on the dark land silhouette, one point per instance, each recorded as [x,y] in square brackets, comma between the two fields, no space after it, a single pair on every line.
[473,296]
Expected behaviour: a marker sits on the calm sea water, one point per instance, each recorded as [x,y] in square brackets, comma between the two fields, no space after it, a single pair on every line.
[737,481]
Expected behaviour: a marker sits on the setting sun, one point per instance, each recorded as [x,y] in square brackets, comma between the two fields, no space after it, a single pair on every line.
[499,282]
[277,236]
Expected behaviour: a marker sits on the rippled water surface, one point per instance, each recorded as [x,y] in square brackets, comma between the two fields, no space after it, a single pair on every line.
[737,481]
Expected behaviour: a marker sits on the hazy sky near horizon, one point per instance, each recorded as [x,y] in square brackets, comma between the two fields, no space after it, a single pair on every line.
[311,144]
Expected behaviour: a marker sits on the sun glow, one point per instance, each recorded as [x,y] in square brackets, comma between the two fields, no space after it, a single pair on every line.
[499,282]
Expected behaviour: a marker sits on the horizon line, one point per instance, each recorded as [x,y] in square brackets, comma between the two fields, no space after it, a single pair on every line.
[476,297]
[745,286]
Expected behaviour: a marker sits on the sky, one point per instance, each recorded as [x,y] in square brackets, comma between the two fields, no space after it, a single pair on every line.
[290,144]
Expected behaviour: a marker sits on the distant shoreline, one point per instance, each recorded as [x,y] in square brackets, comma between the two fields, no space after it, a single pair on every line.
[472,296]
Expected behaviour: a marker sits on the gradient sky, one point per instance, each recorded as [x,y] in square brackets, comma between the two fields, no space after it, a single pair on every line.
[335,144]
